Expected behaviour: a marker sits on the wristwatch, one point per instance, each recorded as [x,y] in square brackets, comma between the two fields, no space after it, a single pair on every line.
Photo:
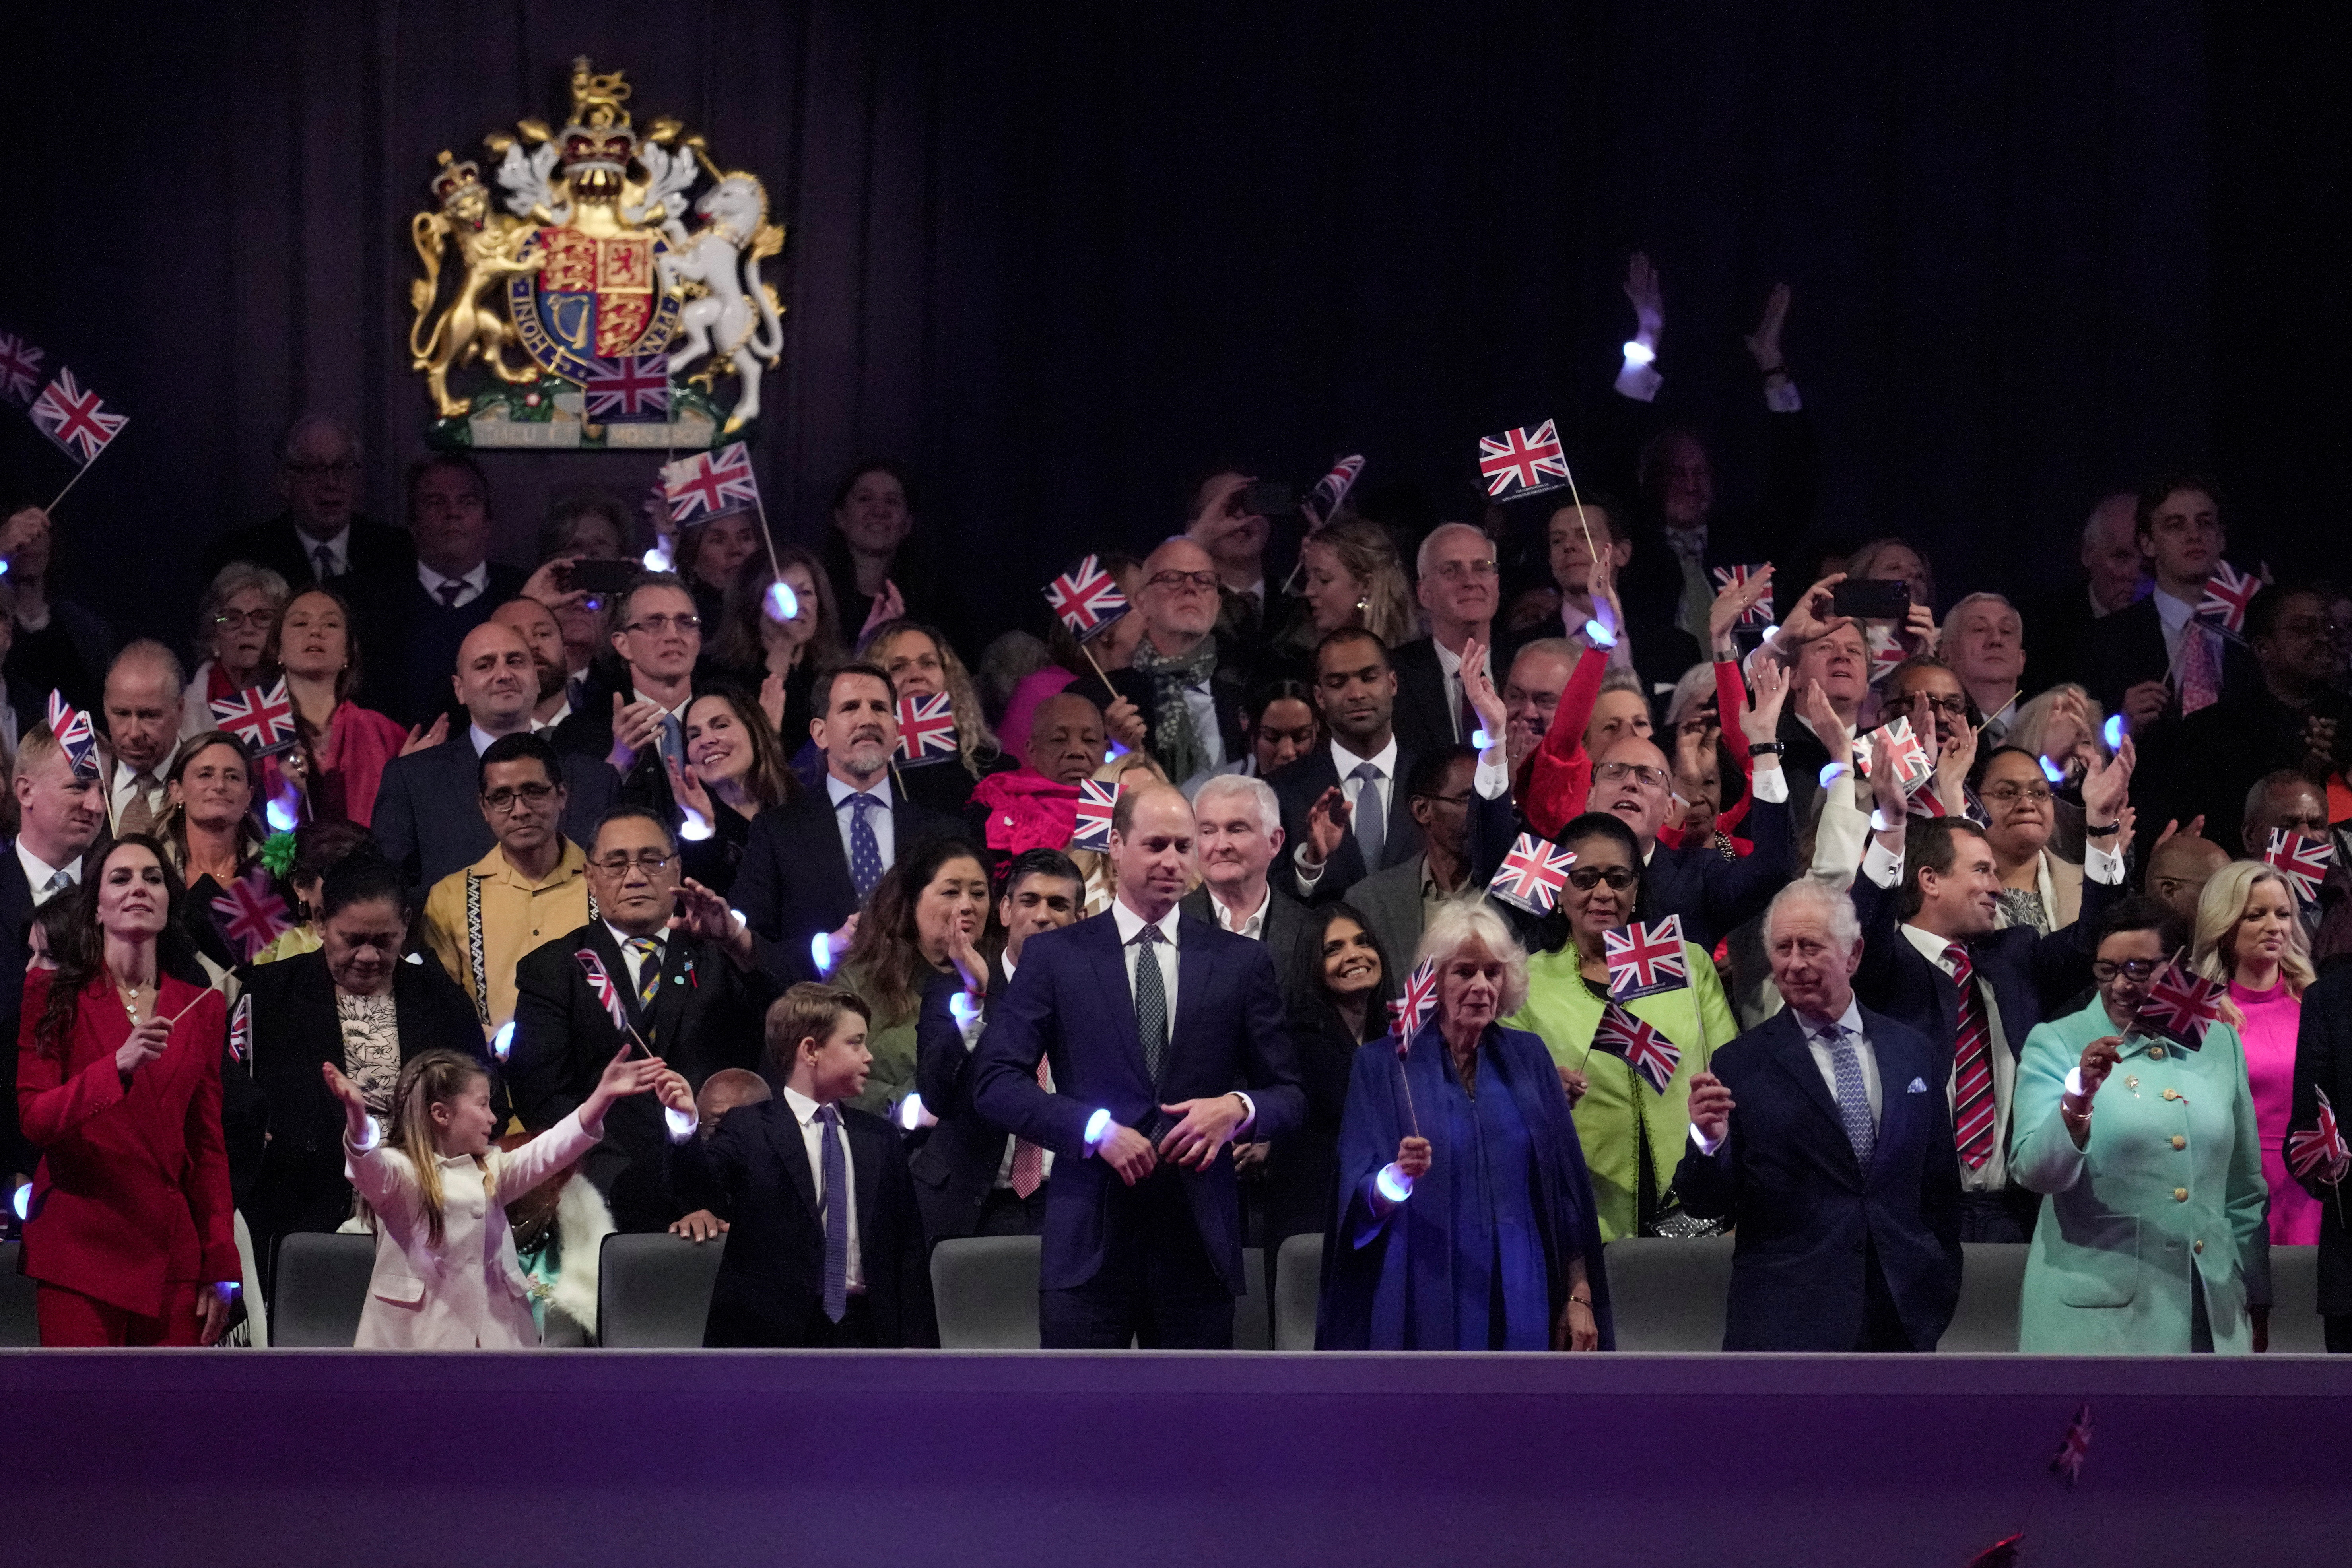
[1765,748]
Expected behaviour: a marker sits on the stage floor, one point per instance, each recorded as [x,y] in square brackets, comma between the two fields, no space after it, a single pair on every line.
[645,1458]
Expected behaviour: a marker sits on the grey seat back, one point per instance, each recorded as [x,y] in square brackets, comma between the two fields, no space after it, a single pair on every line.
[652,1291]
[322,1286]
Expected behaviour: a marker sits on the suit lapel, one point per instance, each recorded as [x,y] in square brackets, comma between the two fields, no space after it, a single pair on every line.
[1194,968]
[866,1155]
[1118,995]
[831,862]
[1795,1057]
[784,1135]
[1404,838]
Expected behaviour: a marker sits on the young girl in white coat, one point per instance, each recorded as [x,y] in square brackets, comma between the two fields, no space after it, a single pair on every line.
[447,1277]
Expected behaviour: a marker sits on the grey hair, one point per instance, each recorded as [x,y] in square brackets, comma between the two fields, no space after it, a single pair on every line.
[310,422]
[1844,925]
[1695,688]
[1623,680]
[1429,545]
[1458,923]
[227,583]
[1952,616]
[1261,794]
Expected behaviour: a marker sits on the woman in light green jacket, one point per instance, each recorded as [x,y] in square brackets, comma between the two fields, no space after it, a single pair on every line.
[2152,1239]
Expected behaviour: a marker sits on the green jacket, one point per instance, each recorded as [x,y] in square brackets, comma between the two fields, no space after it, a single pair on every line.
[2169,1183]
[1620,1105]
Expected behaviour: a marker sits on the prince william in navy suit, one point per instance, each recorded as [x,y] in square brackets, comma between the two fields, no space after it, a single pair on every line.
[1150,1018]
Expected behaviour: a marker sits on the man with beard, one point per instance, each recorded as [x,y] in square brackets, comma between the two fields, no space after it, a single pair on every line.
[536,624]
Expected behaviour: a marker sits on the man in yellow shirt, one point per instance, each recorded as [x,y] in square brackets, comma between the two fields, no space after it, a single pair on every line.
[531,887]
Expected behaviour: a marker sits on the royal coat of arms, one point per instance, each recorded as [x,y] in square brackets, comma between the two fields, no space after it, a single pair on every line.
[588,314]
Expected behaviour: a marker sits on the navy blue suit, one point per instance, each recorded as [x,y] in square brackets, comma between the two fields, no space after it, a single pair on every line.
[1811,1223]
[1161,1261]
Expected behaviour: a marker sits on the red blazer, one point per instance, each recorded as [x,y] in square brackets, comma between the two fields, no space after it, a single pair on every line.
[132,1190]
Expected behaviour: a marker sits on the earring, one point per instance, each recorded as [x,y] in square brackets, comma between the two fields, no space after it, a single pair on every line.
[1363,604]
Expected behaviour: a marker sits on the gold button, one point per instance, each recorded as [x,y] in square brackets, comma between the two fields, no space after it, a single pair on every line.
[2155,1053]
[2180,1195]
[2178,1142]
[2172,1094]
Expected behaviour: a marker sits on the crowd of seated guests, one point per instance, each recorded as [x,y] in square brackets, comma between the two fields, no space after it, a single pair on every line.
[547,827]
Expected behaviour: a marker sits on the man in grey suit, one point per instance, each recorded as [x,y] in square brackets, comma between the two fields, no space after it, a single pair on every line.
[1240,829]
[1395,903]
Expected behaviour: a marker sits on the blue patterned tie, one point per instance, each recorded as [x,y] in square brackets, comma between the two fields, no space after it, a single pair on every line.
[1150,1001]
[865,849]
[836,1217]
[672,739]
[1853,1094]
[1372,825]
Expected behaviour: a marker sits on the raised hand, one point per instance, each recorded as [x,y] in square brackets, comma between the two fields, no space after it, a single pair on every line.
[686,789]
[1124,720]
[1759,716]
[1814,705]
[355,1111]
[1478,691]
[1764,342]
[543,585]
[1952,768]
[1919,627]
[703,913]
[635,726]
[1733,602]
[889,605]
[969,965]
[1710,1106]
[621,1078]
[1326,825]
[2107,787]
[144,1044]
[674,1092]
[1812,616]
[772,705]
[425,737]
[1649,302]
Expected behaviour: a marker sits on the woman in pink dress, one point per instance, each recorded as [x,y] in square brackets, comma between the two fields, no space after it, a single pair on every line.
[2250,934]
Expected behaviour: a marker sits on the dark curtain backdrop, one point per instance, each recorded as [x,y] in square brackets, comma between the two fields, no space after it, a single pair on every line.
[1062,256]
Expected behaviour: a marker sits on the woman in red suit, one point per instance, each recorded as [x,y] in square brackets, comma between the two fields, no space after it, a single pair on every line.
[118,1081]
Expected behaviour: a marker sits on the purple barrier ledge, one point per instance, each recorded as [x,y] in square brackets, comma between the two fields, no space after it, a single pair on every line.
[641,1458]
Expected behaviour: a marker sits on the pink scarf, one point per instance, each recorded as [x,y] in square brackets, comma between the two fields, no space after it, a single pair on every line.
[1027,811]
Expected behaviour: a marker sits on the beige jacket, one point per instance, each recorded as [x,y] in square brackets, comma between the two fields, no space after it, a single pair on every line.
[469,1291]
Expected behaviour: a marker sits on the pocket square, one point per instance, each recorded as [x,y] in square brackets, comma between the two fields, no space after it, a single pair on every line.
[1918,1086]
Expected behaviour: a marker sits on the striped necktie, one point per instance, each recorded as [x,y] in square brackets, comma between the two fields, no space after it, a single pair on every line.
[1972,1102]
[649,967]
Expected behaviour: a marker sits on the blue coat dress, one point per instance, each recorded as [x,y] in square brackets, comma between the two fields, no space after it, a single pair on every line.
[1477,1257]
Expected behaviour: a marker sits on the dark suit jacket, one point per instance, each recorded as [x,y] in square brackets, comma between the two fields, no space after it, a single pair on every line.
[2323,1061]
[956,1167]
[771,1282]
[71,655]
[2122,650]
[1422,721]
[422,635]
[705,1016]
[377,556]
[1283,932]
[1806,1214]
[1300,785]
[295,1145]
[587,733]
[2057,628]
[1228,686]
[1070,1002]
[1716,896]
[428,814]
[2207,762]
[793,880]
[2030,973]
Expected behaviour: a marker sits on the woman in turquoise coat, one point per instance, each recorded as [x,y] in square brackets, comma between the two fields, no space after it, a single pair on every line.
[2152,1239]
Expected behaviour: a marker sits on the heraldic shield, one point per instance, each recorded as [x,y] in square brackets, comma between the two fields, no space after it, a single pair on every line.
[588,313]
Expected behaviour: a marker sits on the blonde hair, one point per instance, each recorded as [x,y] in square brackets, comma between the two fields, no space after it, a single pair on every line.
[975,742]
[2222,906]
[1366,553]
[432,1077]
[1458,923]
[2030,730]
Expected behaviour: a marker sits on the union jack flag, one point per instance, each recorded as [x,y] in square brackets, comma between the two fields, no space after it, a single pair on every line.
[1412,1010]
[636,388]
[1333,487]
[1532,874]
[2227,594]
[1645,959]
[1087,599]
[608,995]
[76,420]
[1096,801]
[2321,1147]
[1909,759]
[709,483]
[1885,653]
[1647,1052]
[263,719]
[240,1028]
[2180,1005]
[20,369]
[71,728]
[1522,462]
[252,914]
[927,730]
[2301,859]
[1756,614]
[2067,1463]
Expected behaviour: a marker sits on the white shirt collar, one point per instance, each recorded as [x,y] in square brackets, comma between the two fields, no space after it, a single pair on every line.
[478,580]
[804,1109]
[838,789]
[1930,945]
[38,872]
[1385,758]
[1129,922]
[1253,920]
[337,545]
[482,738]
[1850,1019]
[538,725]
[2173,612]
[621,939]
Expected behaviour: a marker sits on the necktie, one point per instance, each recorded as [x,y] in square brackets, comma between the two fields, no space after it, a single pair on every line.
[1972,1106]
[2200,680]
[648,952]
[1853,1094]
[865,849]
[1028,1172]
[139,816]
[1150,1001]
[322,562]
[55,885]
[672,739]
[449,592]
[1371,822]
[836,1216]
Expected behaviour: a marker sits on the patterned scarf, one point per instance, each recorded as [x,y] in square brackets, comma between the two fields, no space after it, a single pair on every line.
[1175,745]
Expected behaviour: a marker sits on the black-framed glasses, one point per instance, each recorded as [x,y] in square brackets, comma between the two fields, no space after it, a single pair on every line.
[259,620]
[1585,878]
[649,862]
[1207,581]
[503,799]
[2011,794]
[2104,970]
[1461,799]
[1950,707]
[657,624]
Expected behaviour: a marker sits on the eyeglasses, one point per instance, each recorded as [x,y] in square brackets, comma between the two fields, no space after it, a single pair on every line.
[1456,570]
[1461,799]
[259,620]
[1950,707]
[2011,794]
[1207,581]
[341,470]
[2104,971]
[529,794]
[649,862]
[659,624]
[1585,878]
[1649,777]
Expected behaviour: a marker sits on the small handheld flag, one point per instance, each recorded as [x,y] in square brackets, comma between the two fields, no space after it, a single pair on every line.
[1332,488]
[2180,1005]
[1885,653]
[709,483]
[1522,462]
[240,1029]
[1412,1009]
[1096,801]
[20,369]
[1756,614]
[2319,1149]
[2067,1464]
[1913,770]
[76,420]
[927,729]
[2301,859]
[1087,599]
[71,728]
[262,719]
[1645,959]
[608,995]
[629,390]
[252,914]
[1645,1048]
[2227,593]
[1532,874]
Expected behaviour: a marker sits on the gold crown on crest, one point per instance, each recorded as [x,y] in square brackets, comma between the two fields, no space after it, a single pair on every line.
[599,133]
[455,177]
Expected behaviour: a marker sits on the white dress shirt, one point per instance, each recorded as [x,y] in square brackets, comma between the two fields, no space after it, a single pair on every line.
[471,586]
[1491,779]
[636,959]
[1201,707]
[886,833]
[1164,950]
[1993,1175]
[39,874]
[1885,866]
[1253,924]
[1865,1057]
[338,550]
[803,1110]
